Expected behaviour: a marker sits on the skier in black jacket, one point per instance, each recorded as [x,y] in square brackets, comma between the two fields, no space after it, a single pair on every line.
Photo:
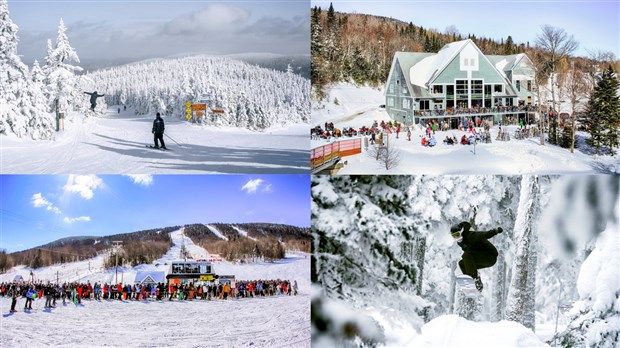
[158,131]
[478,252]
[93,99]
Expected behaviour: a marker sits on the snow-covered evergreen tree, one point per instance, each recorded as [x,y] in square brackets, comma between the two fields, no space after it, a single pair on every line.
[22,105]
[360,225]
[61,75]
[584,216]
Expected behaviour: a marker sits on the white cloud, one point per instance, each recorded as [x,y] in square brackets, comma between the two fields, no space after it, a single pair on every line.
[141,179]
[252,185]
[72,220]
[267,188]
[38,201]
[216,18]
[83,184]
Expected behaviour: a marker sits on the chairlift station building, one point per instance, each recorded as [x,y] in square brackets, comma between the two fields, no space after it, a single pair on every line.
[426,85]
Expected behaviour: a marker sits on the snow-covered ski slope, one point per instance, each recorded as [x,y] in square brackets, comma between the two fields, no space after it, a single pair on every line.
[116,144]
[261,322]
[351,106]
[454,331]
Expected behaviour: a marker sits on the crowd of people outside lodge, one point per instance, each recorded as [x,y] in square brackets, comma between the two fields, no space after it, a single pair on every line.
[476,130]
[75,292]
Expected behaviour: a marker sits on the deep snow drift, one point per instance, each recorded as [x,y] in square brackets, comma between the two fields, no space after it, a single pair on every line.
[351,106]
[454,331]
[116,143]
[259,322]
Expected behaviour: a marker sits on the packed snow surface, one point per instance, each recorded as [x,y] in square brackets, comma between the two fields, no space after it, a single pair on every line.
[351,106]
[454,331]
[116,143]
[259,322]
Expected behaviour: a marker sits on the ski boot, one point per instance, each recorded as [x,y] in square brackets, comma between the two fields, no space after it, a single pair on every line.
[478,283]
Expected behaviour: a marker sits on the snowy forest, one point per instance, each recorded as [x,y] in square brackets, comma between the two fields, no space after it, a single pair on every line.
[33,98]
[251,97]
[384,262]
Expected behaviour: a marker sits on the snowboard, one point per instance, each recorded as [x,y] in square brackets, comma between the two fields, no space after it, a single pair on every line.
[466,283]
[156,148]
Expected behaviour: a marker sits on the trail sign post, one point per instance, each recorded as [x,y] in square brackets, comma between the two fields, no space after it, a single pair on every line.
[188,110]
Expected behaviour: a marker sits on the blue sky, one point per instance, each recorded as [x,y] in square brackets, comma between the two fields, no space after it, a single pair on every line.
[38,209]
[595,24]
[107,32]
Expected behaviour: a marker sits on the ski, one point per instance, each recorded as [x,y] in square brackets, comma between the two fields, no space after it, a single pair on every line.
[157,148]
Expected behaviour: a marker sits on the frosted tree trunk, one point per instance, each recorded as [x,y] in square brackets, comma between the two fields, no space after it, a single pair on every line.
[508,206]
[498,298]
[529,319]
[452,287]
[420,253]
[522,290]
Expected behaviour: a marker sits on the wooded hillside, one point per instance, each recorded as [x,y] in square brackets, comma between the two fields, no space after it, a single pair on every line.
[360,48]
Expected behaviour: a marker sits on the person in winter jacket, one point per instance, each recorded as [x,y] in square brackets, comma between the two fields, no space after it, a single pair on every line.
[158,131]
[478,252]
[14,293]
[48,296]
[93,99]
[30,295]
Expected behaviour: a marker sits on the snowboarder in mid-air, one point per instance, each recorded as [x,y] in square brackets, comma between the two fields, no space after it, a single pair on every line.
[93,99]
[158,131]
[478,252]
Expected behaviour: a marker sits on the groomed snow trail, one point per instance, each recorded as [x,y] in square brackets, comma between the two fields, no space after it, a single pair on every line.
[262,322]
[116,144]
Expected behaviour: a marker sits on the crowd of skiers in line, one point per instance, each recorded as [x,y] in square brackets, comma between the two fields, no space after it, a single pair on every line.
[75,292]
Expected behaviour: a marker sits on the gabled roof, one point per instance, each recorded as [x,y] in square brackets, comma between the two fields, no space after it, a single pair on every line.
[155,277]
[432,67]
[406,61]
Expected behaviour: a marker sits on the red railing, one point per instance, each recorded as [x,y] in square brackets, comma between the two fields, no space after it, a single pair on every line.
[335,150]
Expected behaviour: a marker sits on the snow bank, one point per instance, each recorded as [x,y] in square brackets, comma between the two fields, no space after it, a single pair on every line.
[454,331]
[599,278]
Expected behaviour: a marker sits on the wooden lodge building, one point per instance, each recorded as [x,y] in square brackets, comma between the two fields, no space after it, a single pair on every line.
[460,83]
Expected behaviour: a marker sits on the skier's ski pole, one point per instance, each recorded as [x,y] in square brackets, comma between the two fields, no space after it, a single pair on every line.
[173,140]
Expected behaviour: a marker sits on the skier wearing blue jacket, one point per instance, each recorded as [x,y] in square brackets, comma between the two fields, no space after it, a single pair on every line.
[30,295]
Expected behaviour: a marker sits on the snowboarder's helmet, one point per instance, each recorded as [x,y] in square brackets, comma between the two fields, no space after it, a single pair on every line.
[158,115]
[457,230]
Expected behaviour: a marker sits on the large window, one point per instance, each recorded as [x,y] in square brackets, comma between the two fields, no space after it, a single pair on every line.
[518,85]
[461,87]
[487,91]
[424,104]
[406,104]
[476,87]
[391,87]
[497,88]
[529,86]
[390,102]
[450,90]
[438,89]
